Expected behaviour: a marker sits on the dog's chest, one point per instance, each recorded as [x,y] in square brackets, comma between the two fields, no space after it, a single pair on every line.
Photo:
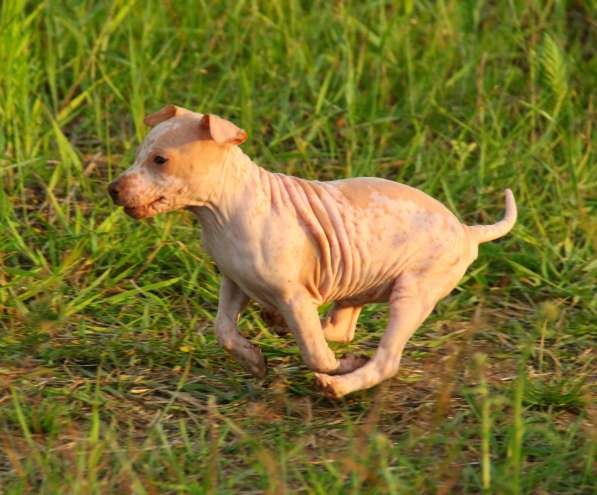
[231,254]
[258,272]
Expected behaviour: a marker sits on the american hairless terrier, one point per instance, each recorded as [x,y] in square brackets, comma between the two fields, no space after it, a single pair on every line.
[293,244]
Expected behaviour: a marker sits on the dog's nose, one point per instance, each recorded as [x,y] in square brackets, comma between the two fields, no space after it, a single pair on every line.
[113,191]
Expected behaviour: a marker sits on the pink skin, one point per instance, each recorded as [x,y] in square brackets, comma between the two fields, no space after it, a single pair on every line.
[292,244]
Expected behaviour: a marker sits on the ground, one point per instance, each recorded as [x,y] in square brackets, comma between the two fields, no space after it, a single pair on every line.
[110,378]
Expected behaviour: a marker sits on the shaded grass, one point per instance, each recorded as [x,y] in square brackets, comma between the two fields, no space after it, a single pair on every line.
[110,379]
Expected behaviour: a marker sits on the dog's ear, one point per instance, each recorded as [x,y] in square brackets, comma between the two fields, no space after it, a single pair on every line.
[222,131]
[165,113]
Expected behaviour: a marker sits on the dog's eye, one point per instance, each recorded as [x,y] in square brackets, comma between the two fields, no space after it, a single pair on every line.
[159,160]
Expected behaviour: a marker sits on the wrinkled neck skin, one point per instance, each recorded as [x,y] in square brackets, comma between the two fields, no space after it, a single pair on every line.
[233,189]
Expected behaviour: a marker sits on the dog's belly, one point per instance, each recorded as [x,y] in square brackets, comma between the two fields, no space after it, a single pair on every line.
[378,294]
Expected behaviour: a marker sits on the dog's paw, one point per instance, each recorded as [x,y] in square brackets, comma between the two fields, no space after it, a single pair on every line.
[330,385]
[259,367]
[252,359]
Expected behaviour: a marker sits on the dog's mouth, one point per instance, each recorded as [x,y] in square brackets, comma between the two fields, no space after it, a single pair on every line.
[147,210]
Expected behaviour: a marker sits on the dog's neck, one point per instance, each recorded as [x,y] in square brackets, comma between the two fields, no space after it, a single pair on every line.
[237,187]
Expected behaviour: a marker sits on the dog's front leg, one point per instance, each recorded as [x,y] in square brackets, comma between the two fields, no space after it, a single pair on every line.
[232,301]
[300,312]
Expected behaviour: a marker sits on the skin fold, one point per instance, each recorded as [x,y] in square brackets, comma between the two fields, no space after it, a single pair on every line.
[292,244]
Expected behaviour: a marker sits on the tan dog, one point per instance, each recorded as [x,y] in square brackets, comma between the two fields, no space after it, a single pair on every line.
[292,244]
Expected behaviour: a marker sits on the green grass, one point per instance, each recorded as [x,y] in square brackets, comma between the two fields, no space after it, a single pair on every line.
[110,378]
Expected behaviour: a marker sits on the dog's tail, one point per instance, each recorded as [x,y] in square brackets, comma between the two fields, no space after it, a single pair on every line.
[486,233]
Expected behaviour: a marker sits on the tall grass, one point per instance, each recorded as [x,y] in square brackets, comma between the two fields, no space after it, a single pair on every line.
[110,378]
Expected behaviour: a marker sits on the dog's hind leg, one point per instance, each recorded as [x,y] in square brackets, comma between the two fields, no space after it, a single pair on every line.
[409,306]
[232,302]
[339,325]
[274,321]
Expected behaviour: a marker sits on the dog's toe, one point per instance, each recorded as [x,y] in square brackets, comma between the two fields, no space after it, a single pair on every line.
[329,385]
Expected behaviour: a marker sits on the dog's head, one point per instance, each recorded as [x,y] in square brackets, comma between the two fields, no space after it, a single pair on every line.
[177,164]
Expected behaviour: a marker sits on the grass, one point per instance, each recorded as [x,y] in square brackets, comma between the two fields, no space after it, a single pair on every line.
[110,378]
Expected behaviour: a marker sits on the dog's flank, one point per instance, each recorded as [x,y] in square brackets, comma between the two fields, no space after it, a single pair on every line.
[293,244]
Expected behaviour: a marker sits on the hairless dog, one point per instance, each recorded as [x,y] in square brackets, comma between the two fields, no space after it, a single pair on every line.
[293,244]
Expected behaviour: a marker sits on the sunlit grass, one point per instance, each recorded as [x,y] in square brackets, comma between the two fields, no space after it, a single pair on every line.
[110,378]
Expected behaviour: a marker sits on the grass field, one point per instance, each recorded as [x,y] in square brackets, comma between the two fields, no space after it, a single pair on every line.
[110,378]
